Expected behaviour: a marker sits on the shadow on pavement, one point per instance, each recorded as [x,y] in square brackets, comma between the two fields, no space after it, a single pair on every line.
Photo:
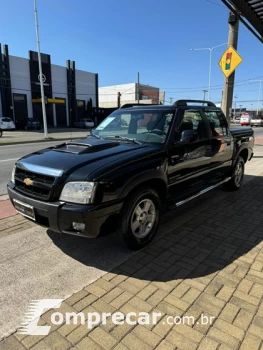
[194,241]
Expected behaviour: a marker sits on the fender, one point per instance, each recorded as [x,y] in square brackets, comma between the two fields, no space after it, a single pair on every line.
[136,180]
[239,147]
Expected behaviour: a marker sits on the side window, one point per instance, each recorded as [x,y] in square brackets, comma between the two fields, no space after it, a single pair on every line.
[193,120]
[125,120]
[217,122]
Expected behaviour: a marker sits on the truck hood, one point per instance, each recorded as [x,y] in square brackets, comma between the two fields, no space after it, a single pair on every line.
[78,160]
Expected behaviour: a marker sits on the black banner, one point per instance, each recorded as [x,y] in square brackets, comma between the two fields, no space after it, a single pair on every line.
[35,84]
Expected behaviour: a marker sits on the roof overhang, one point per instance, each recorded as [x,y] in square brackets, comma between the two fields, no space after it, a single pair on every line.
[250,12]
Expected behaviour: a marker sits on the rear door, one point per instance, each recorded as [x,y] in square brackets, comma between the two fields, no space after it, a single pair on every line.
[189,163]
[221,142]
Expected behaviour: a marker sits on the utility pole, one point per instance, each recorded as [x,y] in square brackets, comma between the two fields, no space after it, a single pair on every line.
[119,100]
[40,73]
[230,81]
[138,88]
[171,100]
[259,93]
[235,105]
[259,96]
[205,91]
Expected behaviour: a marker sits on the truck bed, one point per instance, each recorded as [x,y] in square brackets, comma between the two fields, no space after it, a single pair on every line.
[239,131]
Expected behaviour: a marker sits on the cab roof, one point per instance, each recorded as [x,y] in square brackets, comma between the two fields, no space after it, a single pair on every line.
[179,103]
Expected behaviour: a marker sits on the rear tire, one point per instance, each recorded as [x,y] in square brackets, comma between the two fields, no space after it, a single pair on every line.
[139,218]
[238,173]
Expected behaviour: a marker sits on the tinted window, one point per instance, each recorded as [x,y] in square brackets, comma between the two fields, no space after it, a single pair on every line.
[192,120]
[217,121]
[6,120]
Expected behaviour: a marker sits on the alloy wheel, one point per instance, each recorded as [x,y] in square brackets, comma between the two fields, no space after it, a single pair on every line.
[143,218]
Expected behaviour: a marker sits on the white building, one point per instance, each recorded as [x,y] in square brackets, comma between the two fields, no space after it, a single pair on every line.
[108,95]
[67,89]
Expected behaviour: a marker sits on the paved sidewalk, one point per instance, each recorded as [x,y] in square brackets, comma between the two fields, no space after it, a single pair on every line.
[6,209]
[17,137]
[211,264]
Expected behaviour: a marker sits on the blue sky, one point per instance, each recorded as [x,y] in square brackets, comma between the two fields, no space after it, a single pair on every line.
[118,38]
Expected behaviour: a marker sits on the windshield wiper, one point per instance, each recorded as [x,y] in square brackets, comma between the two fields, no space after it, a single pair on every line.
[124,139]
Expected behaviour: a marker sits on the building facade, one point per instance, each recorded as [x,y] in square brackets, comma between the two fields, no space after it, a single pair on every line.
[117,95]
[66,89]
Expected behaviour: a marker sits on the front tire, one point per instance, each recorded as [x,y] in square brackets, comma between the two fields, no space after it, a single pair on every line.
[237,175]
[139,218]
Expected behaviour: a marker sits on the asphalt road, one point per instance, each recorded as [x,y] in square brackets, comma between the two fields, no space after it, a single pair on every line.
[258,132]
[9,154]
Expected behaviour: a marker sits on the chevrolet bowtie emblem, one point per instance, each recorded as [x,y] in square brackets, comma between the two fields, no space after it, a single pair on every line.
[28,181]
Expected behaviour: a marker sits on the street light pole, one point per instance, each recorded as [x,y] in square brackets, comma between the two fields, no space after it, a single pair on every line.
[40,73]
[259,96]
[210,72]
[210,64]
[259,92]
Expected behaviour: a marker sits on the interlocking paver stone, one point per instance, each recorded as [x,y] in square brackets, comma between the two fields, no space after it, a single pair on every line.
[207,264]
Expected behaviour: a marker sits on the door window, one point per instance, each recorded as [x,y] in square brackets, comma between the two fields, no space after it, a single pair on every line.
[193,120]
[217,122]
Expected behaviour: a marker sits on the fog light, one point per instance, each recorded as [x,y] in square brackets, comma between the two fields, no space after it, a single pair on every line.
[78,226]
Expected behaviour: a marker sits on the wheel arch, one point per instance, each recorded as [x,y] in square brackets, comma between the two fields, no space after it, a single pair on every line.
[242,152]
[154,179]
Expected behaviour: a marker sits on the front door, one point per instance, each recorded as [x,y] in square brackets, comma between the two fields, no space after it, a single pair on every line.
[221,145]
[188,162]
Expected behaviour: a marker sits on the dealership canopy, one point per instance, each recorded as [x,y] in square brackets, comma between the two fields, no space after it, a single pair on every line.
[250,13]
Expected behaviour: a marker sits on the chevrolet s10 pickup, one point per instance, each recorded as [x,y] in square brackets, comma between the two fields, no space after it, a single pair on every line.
[138,163]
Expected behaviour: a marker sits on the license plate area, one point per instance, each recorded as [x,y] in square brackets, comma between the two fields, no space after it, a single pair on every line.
[25,209]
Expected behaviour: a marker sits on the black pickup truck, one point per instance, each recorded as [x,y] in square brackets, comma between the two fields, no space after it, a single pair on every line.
[139,162]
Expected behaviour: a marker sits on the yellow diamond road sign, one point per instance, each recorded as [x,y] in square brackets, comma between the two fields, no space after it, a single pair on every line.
[229,61]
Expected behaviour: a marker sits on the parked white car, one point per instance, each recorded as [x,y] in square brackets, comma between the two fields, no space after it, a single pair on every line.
[84,123]
[257,120]
[245,119]
[7,124]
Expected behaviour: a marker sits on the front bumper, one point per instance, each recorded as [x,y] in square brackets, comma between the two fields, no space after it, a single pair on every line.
[59,216]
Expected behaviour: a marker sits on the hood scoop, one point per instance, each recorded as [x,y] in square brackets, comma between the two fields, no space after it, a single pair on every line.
[84,147]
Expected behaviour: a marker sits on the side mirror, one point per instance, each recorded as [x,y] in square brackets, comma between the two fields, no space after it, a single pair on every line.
[189,136]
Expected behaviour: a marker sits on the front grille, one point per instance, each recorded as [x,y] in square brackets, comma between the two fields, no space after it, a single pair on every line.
[41,187]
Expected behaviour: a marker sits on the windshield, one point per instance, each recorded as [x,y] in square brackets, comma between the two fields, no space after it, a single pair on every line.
[151,126]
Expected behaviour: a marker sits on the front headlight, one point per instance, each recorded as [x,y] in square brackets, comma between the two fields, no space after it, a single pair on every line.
[78,192]
[13,174]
